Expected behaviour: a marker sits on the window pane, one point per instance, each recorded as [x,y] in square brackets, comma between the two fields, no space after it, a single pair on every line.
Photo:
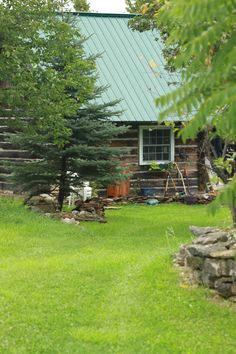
[146,140]
[152,157]
[166,132]
[156,144]
[153,140]
[166,157]
[166,140]
[152,149]
[165,149]
[159,133]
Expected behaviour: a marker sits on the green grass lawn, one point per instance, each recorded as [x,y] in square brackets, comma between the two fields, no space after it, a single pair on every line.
[106,288]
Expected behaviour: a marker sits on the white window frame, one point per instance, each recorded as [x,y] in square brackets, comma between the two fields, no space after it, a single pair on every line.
[172,143]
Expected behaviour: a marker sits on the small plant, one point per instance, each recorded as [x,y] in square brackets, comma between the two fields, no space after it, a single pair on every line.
[162,167]
[227,163]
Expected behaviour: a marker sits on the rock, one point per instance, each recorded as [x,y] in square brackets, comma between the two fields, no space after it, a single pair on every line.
[225,287]
[208,280]
[199,231]
[232,299]
[205,250]
[44,202]
[81,213]
[226,254]
[180,258]
[230,244]
[212,238]
[232,267]
[75,212]
[35,209]
[215,267]
[69,221]
[233,289]
[195,263]
[47,197]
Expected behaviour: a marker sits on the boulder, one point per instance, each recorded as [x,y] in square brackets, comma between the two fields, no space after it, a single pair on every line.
[215,267]
[211,238]
[44,203]
[225,287]
[226,254]
[208,280]
[205,250]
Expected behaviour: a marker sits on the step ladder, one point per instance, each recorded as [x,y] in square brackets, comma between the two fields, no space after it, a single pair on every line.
[169,179]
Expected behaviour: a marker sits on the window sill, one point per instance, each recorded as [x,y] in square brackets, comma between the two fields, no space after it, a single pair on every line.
[148,163]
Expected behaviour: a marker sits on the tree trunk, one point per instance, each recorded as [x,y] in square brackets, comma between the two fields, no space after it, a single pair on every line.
[62,183]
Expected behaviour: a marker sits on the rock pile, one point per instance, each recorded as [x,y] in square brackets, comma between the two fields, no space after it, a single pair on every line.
[211,258]
[90,210]
[43,203]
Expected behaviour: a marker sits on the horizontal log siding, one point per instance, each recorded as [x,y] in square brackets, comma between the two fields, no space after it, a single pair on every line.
[186,156]
[141,176]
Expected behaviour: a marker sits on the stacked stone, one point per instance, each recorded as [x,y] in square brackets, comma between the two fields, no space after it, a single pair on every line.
[90,210]
[212,259]
[43,203]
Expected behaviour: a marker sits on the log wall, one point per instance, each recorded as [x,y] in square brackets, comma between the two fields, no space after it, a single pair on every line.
[186,156]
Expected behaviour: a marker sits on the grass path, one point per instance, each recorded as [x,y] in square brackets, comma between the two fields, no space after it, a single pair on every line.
[105,288]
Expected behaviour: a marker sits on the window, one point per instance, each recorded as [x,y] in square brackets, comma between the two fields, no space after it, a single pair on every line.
[155,144]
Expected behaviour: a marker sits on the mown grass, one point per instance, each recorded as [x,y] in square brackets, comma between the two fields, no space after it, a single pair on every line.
[105,288]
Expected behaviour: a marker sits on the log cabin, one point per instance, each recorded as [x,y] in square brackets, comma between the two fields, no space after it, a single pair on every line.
[132,65]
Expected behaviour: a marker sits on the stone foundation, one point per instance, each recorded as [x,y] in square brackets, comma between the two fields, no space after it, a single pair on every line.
[211,259]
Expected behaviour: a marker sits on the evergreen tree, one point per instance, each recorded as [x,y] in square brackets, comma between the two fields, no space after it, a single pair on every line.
[51,88]
[87,154]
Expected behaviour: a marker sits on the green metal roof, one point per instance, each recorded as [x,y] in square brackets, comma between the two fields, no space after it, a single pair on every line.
[131,63]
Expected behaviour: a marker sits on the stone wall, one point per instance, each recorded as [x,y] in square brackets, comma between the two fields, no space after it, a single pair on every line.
[211,258]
